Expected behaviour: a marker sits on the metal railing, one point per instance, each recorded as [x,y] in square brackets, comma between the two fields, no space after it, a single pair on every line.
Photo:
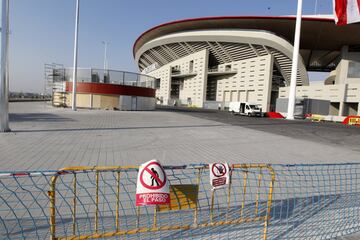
[302,202]
[95,75]
[195,173]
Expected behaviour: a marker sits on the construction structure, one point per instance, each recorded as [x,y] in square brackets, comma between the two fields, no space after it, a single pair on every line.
[209,62]
[100,89]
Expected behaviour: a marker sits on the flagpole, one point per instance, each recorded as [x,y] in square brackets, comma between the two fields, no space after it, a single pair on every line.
[4,70]
[75,56]
[292,89]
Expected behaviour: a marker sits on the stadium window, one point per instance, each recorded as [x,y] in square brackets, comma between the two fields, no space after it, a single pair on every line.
[191,66]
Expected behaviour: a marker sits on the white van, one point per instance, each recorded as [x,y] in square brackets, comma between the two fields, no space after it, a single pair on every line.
[245,108]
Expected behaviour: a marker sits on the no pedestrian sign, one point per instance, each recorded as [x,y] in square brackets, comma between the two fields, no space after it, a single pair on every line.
[219,175]
[152,186]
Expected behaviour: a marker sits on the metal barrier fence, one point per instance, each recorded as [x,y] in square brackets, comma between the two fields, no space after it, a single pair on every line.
[107,76]
[304,202]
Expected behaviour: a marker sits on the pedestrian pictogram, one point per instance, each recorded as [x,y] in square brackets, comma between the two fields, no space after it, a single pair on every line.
[152,185]
[153,176]
[219,175]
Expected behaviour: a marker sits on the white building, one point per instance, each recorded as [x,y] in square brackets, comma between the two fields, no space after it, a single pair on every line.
[209,62]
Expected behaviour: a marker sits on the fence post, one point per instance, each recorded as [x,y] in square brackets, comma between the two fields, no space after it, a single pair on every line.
[258,193]
[196,208]
[244,192]
[117,201]
[229,192]
[97,202]
[74,204]
[51,194]
[269,202]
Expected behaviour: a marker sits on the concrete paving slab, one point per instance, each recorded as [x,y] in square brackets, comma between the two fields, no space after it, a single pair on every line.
[44,137]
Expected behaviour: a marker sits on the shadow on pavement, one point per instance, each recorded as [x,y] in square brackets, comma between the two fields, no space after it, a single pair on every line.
[37,117]
[118,128]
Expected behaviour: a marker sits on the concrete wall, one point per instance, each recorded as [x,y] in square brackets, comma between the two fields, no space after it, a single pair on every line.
[101,101]
[251,83]
[145,104]
[342,69]
[343,94]
[192,87]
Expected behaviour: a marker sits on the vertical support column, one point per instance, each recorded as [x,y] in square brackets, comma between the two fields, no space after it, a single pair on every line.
[343,93]
[341,108]
[4,78]
[91,101]
[203,77]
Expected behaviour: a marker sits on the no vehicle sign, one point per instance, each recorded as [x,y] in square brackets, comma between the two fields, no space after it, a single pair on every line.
[152,185]
[219,175]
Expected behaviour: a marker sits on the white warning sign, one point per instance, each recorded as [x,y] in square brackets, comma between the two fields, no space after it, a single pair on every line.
[219,175]
[152,186]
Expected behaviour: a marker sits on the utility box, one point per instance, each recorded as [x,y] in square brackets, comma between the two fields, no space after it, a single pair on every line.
[304,106]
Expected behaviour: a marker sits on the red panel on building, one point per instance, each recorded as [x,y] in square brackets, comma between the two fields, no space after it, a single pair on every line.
[111,89]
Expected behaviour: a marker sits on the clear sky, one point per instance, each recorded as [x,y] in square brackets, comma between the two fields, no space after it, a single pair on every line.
[42,31]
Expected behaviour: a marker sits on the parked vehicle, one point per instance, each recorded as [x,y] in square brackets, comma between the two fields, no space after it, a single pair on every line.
[245,108]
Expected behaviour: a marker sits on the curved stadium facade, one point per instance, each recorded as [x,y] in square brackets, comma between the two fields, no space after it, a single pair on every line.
[209,62]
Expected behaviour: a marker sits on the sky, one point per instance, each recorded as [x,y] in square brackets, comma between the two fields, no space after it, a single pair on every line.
[42,31]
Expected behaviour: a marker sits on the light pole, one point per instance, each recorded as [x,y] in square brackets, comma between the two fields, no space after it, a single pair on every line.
[4,68]
[75,55]
[292,89]
[105,57]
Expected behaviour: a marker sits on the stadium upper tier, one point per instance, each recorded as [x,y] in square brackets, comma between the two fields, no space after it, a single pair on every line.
[230,39]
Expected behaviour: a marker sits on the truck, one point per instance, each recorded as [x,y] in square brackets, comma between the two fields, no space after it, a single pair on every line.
[245,108]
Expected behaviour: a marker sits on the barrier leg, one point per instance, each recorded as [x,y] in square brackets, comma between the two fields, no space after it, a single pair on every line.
[117,202]
[244,193]
[51,194]
[258,194]
[137,216]
[155,217]
[74,206]
[212,205]
[269,203]
[229,194]
[196,208]
[97,202]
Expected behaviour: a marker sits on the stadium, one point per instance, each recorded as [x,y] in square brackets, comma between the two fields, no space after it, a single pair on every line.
[209,62]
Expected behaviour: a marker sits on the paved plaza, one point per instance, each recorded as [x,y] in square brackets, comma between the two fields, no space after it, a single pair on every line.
[44,137]
[308,201]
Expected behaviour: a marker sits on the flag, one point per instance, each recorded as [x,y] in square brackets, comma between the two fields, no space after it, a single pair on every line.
[346,11]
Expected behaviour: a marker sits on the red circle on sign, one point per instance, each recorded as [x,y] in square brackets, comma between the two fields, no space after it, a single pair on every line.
[161,183]
[221,174]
